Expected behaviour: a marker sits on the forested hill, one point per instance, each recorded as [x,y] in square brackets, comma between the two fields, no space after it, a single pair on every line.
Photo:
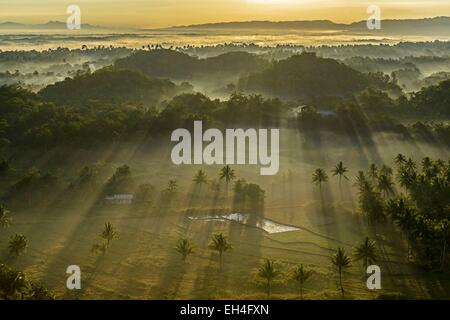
[112,86]
[177,65]
[308,75]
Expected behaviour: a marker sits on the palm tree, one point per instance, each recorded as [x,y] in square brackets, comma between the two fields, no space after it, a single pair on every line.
[367,252]
[268,272]
[300,275]
[13,283]
[18,244]
[228,174]
[319,177]
[361,181]
[372,171]
[426,164]
[410,165]
[5,220]
[385,184]
[200,178]
[184,248]
[442,228]
[109,233]
[400,160]
[385,170]
[340,171]
[220,244]
[341,261]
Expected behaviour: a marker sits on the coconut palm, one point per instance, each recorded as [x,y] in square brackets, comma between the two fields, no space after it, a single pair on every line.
[18,244]
[300,275]
[341,261]
[340,171]
[426,164]
[367,252]
[372,172]
[385,184]
[5,220]
[109,233]
[400,160]
[184,248]
[442,228]
[220,244]
[319,177]
[268,272]
[406,177]
[13,283]
[385,170]
[200,177]
[404,217]
[361,181]
[410,165]
[228,174]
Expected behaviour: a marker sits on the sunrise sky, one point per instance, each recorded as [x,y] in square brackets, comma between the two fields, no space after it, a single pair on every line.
[162,13]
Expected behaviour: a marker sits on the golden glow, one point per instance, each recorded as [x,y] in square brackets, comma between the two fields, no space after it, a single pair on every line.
[163,13]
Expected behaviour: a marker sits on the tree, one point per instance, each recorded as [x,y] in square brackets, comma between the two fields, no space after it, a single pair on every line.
[367,252]
[228,174]
[385,170]
[268,272]
[18,244]
[400,160]
[385,184]
[13,283]
[410,165]
[200,177]
[373,171]
[340,171]
[405,217]
[341,261]
[109,233]
[442,228]
[220,244]
[319,177]
[300,275]
[5,220]
[184,248]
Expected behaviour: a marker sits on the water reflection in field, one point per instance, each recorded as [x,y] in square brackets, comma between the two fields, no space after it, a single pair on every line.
[267,225]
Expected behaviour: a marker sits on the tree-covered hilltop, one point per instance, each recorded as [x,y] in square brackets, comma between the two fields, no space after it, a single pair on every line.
[112,86]
[308,75]
[27,119]
[433,100]
[177,65]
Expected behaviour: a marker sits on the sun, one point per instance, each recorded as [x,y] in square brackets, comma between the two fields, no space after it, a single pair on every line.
[271,1]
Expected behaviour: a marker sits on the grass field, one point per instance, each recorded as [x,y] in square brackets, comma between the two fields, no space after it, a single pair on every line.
[142,263]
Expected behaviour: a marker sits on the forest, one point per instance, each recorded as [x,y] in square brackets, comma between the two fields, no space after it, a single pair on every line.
[86,176]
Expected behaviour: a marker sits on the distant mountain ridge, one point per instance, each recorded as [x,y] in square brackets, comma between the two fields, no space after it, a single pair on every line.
[439,25]
[47,25]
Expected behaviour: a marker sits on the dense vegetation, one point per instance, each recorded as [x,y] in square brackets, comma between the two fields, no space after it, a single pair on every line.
[307,75]
[177,65]
[112,86]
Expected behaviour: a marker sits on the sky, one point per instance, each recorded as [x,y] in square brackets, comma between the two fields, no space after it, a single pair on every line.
[164,13]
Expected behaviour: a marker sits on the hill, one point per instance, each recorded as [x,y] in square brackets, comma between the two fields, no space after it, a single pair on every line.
[307,75]
[177,65]
[43,26]
[112,86]
[435,26]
